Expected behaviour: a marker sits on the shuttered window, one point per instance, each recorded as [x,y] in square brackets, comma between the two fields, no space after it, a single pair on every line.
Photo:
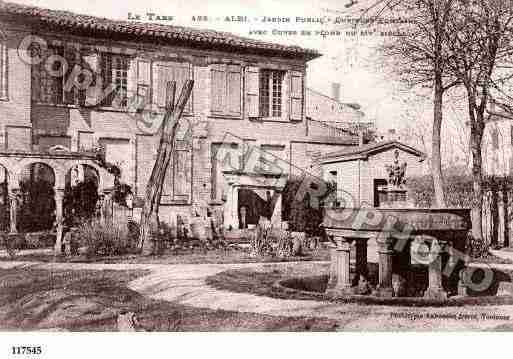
[114,70]
[164,72]
[226,91]
[271,86]
[296,96]
[47,79]
[178,182]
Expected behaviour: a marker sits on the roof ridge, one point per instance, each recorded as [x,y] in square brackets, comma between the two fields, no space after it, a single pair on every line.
[66,18]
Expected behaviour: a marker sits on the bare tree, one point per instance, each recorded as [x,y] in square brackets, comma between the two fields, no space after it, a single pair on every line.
[169,126]
[479,42]
[420,59]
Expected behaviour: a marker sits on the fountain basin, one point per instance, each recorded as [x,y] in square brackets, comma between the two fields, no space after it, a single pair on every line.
[441,231]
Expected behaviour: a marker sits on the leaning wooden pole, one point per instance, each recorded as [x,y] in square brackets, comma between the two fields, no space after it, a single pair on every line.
[169,126]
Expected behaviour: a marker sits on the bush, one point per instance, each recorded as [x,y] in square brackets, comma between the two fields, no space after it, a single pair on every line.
[299,212]
[261,243]
[106,239]
[80,202]
[458,191]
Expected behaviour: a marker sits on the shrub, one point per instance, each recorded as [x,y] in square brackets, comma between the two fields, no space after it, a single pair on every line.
[80,202]
[261,242]
[300,213]
[106,239]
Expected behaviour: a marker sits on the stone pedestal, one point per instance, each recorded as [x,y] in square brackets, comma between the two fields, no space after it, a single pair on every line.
[435,289]
[340,277]
[386,258]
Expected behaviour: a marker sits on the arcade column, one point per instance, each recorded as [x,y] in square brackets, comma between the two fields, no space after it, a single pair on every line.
[59,219]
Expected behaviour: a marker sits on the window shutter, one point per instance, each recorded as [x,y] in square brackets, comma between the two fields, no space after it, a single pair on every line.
[182,178]
[218,80]
[234,79]
[252,91]
[72,58]
[183,72]
[296,96]
[91,62]
[164,74]
[143,82]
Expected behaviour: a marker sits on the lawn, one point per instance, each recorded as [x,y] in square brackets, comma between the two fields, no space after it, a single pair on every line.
[197,256]
[310,280]
[87,300]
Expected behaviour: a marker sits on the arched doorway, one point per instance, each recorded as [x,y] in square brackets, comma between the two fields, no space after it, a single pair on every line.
[80,194]
[4,200]
[36,211]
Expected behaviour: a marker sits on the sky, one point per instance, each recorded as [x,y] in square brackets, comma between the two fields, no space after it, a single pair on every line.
[348,60]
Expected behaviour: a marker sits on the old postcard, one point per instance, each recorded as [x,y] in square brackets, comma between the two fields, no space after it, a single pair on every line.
[255,165]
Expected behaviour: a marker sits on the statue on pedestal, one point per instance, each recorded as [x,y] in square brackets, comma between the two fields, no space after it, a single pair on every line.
[396,172]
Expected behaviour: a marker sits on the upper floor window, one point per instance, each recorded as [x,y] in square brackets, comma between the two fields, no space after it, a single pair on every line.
[274,93]
[114,71]
[164,72]
[226,92]
[51,78]
[3,67]
[271,84]
[47,76]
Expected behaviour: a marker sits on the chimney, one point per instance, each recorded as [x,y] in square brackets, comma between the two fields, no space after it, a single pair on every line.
[335,90]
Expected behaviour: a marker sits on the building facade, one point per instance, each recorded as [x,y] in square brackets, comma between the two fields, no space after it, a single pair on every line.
[71,84]
[360,173]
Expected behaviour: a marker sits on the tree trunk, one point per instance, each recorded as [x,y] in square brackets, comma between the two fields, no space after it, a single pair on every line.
[436,159]
[476,139]
[149,215]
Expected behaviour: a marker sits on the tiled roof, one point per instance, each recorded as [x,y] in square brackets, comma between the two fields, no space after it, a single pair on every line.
[365,151]
[151,31]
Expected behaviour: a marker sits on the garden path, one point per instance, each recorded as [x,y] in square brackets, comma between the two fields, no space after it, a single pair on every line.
[185,284]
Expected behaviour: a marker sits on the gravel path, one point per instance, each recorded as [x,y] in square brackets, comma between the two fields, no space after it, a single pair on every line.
[185,284]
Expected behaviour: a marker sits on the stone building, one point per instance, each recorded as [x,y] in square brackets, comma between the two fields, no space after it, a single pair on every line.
[360,172]
[71,84]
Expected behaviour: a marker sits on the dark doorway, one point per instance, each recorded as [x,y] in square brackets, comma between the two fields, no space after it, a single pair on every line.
[252,207]
[379,191]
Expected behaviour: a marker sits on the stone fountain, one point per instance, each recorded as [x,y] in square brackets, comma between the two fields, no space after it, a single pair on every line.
[396,227]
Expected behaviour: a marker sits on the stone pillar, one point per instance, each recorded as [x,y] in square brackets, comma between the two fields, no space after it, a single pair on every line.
[231,210]
[435,289]
[13,209]
[340,277]
[59,219]
[386,258]
[361,256]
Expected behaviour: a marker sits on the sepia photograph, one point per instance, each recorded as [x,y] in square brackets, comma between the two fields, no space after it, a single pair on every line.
[255,166]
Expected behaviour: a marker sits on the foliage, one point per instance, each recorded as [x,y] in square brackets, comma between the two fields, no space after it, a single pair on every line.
[80,202]
[300,213]
[273,242]
[261,242]
[107,238]
[121,191]
[36,211]
[458,189]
